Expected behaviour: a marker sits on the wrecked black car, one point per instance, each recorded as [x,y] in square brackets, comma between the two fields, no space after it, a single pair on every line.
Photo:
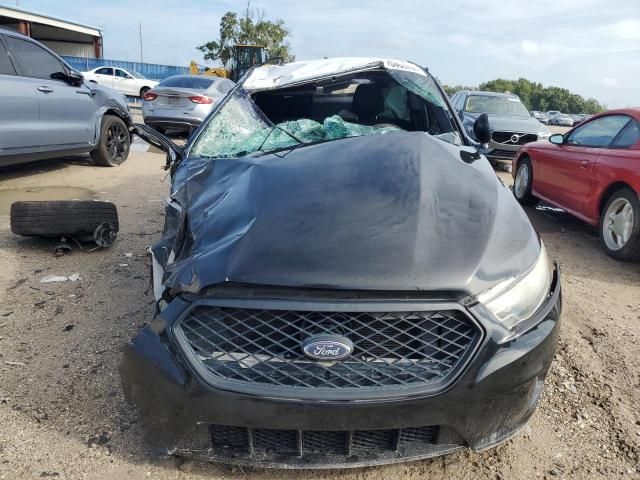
[342,279]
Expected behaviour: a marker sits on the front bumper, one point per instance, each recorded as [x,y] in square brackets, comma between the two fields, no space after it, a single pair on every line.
[501,152]
[491,400]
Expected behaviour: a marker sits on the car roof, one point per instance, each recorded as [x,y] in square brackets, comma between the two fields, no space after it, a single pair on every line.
[276,76]
[483,93]
[16,33]
[631,111]
[111,66]
[208,77]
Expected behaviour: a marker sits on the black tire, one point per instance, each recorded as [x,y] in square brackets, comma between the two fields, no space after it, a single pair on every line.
[144,90]
[630,252]
[63,217]
[525,198]
[114,143]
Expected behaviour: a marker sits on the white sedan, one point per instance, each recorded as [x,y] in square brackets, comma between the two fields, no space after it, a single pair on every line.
[124,81]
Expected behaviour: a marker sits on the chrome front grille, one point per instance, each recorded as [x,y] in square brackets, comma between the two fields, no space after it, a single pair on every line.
[262,347]
[513,138]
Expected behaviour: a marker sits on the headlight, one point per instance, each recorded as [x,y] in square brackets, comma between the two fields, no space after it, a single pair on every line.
[516,299]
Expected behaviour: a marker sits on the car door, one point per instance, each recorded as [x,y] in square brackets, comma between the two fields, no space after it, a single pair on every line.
[19,120]
[125,83]
[565,170]
[618,162]
[104,76]
[67,113]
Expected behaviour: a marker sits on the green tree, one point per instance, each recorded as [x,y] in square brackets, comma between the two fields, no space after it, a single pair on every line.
[252,29]
[538,97]
[450,90]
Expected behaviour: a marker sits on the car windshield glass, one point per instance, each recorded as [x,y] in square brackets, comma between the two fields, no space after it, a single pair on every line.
[199,83]
[137,75]
[240,128]
[496,105]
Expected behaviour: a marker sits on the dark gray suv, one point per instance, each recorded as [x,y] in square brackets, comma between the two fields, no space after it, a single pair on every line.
[48,110]
[511,123]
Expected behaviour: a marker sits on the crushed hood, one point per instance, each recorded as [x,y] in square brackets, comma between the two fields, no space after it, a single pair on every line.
[400,211]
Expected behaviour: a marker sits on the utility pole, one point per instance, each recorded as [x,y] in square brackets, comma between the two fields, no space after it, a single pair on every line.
[140,37]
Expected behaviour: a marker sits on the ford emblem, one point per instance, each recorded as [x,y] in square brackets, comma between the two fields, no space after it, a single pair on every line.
[327,347]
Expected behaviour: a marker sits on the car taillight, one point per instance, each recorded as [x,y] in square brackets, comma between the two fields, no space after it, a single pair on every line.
[202,99]
[149,96]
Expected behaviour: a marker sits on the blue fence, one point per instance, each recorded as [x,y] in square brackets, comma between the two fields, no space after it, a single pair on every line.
[149,70]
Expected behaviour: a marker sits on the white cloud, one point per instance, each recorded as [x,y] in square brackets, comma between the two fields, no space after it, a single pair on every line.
[609,82]
[625,29]
[530,48]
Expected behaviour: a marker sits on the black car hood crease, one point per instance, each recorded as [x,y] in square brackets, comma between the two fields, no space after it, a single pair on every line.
[399,211]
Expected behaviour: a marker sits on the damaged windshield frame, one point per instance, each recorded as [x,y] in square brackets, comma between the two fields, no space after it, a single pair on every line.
[435,95]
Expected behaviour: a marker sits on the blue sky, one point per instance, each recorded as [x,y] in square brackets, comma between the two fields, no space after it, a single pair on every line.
[589,46]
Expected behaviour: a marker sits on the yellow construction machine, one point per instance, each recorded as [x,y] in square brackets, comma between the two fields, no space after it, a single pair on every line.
[244,57]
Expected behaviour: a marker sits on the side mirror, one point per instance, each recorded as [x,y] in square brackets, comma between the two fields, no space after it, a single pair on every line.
[75,78]
[72,77]
[174,152]
[557,139]
[481,129]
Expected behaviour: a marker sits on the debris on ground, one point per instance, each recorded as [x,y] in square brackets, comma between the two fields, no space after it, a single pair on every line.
[60,278]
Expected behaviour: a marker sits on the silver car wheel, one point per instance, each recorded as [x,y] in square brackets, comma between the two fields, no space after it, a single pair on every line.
[522,181]
[618,224]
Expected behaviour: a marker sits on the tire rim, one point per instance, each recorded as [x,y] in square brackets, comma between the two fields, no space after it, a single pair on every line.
[522,180]
[618,224]
[116,142]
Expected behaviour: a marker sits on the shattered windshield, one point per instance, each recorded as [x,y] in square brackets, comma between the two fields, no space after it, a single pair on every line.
[240,128]
[371,104]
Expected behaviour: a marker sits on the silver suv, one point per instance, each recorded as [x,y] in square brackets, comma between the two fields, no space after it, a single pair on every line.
[48,110]
[511,123]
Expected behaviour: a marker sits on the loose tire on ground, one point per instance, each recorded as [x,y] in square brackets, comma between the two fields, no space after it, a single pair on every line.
[612,220]
[522,191]
[59,218]
[114,143]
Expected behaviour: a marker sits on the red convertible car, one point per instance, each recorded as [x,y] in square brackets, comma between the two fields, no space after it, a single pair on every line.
[592,172]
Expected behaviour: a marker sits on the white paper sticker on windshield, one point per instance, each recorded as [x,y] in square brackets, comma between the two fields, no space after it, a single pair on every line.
[400,65]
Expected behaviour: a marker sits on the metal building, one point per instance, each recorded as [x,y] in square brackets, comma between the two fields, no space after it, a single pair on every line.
[62,36]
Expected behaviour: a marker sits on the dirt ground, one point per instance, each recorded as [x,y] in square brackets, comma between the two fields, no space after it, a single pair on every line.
[63,415]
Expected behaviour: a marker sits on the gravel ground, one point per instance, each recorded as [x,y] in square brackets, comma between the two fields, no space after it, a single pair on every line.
[63,414]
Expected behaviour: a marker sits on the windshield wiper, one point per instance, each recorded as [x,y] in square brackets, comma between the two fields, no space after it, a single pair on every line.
[282,130]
